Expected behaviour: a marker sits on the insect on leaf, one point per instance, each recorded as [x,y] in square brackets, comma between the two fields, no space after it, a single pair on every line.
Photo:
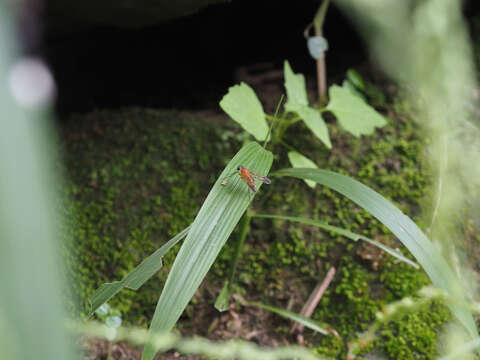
[218,216]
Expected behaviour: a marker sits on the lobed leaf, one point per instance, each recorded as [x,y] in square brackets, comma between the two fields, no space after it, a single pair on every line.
[242,105]
[314,121]
[355,115]
[296,89]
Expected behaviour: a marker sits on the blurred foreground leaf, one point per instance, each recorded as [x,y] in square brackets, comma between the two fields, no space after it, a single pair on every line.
[32,313]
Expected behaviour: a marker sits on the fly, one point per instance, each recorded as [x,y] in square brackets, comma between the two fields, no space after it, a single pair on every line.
[249,177]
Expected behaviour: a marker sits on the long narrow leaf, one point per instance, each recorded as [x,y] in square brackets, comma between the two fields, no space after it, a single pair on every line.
[214,223]
[399,224]
[295,317]
[138,276]
[346,233]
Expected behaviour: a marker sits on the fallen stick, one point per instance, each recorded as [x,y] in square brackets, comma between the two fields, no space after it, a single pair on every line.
[314,299]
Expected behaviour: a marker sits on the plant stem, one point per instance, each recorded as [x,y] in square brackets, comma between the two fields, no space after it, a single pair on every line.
[244,228]
[275,117]
[318,21]
[287,146]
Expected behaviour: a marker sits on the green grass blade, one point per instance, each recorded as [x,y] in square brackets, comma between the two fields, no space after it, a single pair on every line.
[402,226]
[295,317]
[346,233]
[214,223]
[138,276]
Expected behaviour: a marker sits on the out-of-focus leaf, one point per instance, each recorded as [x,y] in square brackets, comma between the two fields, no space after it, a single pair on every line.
[113,321]
[296,90]
[299,161]
[242,105]
[355,116]
[137,277]
[355,79]
[402,226]
[32,299]
[218,216]
[103,310]
[346,84]
[348,234]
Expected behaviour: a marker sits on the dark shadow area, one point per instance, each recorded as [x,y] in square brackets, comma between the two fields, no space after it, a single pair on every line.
[191,62]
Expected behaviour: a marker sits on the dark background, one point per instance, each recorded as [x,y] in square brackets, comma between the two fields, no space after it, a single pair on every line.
[190,62]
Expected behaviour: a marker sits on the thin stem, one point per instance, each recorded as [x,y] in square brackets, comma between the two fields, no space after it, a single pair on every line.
[244,228]
[318,21]
[287,146]
[275,117]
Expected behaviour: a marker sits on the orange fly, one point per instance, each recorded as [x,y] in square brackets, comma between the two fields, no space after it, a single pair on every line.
[249,177]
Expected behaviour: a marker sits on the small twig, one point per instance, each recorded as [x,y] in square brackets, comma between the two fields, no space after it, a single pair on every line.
[314,299]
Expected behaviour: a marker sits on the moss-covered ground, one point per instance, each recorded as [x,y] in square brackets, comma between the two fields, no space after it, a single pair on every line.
[137,176]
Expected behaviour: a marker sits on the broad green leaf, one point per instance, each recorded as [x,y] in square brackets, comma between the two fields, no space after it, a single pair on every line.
[296,89]
[355,115]
[218,216]
[299,161]
[137,277]
[403,227]
[314,121]
[295,317]
[348,234]
[242,105]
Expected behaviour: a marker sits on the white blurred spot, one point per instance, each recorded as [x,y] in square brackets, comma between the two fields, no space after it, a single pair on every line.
[31,83]
[317,45]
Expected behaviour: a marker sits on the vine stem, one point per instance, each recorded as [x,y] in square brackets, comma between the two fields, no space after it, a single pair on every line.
[317,23]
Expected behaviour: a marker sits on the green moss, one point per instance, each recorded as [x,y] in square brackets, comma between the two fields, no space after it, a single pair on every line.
[139,176]
[401,280]
[414,336]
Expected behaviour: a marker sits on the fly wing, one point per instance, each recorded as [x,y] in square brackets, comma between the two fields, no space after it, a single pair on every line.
[262,178]
[252,186]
